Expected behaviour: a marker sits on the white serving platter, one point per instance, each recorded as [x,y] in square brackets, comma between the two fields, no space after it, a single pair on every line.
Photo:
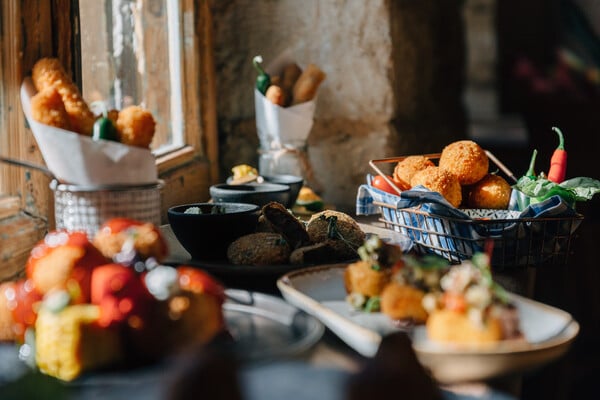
[548,331]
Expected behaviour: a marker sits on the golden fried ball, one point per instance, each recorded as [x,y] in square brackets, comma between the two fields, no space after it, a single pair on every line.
[491,192]
[405,169]
[136,126]
[360,277]
[455,327]
[441,181]
[403,302]
[47,108]
[465,159]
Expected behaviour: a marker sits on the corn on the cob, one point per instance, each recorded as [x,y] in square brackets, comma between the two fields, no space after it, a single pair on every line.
[69,342]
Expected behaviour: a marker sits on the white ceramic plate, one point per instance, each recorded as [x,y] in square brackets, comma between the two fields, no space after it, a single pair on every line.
[320,292]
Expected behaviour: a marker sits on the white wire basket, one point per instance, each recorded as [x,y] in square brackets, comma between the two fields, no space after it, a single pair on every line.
[86,208]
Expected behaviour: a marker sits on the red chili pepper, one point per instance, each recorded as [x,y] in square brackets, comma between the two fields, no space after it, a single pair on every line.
[558,163]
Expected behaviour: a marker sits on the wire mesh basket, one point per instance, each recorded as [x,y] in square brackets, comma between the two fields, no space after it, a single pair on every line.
[86,208]
[516,241]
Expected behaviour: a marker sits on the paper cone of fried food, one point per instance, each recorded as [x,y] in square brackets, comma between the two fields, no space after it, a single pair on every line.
[79,160]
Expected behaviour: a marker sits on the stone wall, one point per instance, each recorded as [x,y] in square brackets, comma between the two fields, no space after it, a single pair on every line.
[395,75]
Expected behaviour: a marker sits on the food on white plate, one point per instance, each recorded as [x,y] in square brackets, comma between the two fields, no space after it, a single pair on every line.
[402,298]
[408,167]
[466,160]
[492,192]
[364,280]
[441,181]
[471,309]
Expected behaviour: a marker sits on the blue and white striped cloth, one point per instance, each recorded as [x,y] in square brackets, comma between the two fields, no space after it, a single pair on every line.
[445,229]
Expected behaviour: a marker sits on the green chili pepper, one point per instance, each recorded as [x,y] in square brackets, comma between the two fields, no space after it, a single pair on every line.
[531,171]
[104,129]
[263,80]
[523,199]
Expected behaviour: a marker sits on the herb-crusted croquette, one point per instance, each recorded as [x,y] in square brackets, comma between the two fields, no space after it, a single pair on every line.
[260,248]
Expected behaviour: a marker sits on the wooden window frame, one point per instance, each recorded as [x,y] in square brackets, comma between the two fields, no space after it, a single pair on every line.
[32,29]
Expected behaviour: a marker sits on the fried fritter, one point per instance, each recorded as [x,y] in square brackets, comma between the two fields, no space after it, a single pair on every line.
[280,220]
[260,248]
[136,126]
[341,227]
[466,160]
[47,108]
[49,72]
[441,181]
[403,302]
[405,169]
[490,192]
[456,327]
[360,277]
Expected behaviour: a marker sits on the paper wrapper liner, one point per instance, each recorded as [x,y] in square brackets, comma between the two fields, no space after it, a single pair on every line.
[80,160]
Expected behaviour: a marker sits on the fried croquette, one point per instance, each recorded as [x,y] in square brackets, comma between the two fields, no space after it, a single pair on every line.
[49,72]
[466,160]
[405,169]
[331,224]
[403,302]
[441,181]
[329,251]
[490,192]
[260,248]
[455,327]
[47,108]
[135,126]
[360,277]
[280,220]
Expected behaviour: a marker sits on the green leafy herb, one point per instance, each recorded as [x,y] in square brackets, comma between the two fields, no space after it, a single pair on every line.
[373,304]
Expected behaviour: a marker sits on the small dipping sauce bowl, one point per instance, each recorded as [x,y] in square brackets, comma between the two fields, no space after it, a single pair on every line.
[206,230]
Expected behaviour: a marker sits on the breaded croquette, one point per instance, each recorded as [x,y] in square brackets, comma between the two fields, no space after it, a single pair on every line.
[136,126]
[455,327]
[405,169]
[344,227]
[491,192]
[441,181]
[48,72]
[466,160]
[403,302]
[360,277]
[261,248]
[47,108]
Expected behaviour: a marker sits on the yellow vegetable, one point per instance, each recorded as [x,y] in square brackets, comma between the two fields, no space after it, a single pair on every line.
[69,342]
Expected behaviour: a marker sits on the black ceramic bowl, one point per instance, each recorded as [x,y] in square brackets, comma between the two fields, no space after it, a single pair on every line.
[252,193]
[294,182]
[207,234]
